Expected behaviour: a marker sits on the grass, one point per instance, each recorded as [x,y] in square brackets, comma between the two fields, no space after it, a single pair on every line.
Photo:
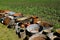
[7,34]
[48,10]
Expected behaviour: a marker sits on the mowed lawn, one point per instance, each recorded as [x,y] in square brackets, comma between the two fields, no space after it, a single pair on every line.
[48,10]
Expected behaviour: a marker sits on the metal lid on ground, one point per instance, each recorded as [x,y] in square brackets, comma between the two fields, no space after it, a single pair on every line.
[33,28]
[38,37]
[22,18]
[11,13]
[17,14]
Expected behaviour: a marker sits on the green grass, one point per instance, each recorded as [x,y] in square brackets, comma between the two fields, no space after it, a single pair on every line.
[7,34]
[48,10]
